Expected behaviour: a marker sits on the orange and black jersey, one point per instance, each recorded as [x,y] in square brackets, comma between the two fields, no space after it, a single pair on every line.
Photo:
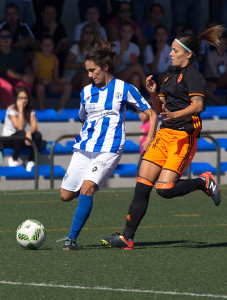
[178,87]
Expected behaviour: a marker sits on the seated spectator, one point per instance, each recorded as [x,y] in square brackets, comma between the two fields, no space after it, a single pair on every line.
[156,55]
[22,35]
[20,120]
[14,68]
[156,14]
[113,26]
[92,17]
[47,79]
[49,25]
[39,4]
[127,66]
[26,11]
[74,64]
[216,70]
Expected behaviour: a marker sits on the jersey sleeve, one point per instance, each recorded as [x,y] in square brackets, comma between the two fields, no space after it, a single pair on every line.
[135,101]
[82,111]
[195,83]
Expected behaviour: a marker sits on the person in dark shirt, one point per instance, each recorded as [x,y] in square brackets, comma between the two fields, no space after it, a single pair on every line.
[50,26]
[14,68]
[22,35]
[179,103]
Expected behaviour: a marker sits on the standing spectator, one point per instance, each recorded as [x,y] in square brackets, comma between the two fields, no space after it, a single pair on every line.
[92,18]
[45,67]
[22,35]
[18,116]
[49,25]
[74,64]
[156,55]
[14,68]
[127,65]
[113,26]
[156,13]
[216,70]
[187,12]
[26,12]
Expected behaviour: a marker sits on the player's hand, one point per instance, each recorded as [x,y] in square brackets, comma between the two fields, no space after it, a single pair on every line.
[166,115]
[151,84]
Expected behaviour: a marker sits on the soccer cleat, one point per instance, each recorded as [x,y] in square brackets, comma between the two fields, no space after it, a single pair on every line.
[118,241]
[211,188]
[69,245]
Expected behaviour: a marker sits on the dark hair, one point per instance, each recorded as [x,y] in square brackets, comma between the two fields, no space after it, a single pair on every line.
[153,42]
[156,5]
[11,5]
[29,106]
[93,6]
[102,55]
[211,35]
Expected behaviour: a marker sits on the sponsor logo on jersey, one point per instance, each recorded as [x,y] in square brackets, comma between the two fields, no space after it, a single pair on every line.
[166,79]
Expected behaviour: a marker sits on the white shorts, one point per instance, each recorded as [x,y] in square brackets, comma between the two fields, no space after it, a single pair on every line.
[93,166]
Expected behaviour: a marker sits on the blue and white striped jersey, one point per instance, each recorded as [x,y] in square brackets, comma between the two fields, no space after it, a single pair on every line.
[103,112]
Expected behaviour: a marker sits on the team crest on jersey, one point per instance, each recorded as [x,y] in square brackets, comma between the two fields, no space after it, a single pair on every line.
[118,95]
[180,78]
[166,79]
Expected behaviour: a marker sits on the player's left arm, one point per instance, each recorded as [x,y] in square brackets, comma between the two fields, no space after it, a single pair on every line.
[194,109]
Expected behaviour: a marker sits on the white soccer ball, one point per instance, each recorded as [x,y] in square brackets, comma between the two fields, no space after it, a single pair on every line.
[31,234]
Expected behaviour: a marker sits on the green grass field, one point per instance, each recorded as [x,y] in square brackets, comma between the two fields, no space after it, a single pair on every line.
[180,249]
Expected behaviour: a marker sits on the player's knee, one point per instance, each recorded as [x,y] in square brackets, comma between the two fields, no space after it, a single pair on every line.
[165,193]
[165,189]
[67,195]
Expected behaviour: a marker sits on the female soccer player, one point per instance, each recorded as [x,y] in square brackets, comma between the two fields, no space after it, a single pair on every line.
[99,145]
[179,103]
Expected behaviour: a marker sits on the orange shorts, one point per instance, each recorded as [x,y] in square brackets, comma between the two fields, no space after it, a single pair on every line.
[172,150]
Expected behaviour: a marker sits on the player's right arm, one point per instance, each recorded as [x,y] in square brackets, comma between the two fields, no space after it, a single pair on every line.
[157,101]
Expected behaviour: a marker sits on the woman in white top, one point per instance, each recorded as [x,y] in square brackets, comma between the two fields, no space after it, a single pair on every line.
[18,116]
[74,64]
[127,65]
[156,54]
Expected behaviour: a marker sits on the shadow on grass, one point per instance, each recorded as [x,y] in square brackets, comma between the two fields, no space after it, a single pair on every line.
[163,244]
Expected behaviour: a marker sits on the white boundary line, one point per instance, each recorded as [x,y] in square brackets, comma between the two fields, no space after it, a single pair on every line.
[100,288]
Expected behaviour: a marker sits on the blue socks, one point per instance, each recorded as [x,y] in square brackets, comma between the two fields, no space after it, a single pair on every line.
[81,215]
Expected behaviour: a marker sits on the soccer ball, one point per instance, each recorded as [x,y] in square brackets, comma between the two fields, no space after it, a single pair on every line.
[31,234]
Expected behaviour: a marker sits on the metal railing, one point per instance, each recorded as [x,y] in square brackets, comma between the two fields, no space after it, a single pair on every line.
[205,134]
[35,149]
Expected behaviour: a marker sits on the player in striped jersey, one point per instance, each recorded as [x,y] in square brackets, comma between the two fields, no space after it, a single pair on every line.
[179,103]
[99,146]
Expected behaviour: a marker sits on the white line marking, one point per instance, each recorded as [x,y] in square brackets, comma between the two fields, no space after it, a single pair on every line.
[103,288]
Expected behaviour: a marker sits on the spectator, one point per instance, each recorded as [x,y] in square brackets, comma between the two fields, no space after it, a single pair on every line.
[156,55]
[113,26]
[22,35]
[45,67]
[140,9]
[216,70]
[14,68]
[104,6]
[39,5]
[18,116]
[74,64]
[26,12]
[49,25]
[127,66]
[187,12]
[156,13]
[92,18]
